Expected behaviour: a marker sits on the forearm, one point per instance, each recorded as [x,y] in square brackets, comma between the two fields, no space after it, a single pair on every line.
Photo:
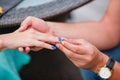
[113,12]
[101,61]
[116,72]
[1,44]
[97,33]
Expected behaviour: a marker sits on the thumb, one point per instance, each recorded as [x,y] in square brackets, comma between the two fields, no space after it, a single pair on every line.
[22,28]
[25,24]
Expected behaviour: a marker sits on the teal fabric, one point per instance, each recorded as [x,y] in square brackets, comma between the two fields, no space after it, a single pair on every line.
[11,61]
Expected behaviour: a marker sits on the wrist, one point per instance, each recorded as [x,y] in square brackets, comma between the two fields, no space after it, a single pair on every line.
[115,71]
[102,60]
[50,26]
[2,45]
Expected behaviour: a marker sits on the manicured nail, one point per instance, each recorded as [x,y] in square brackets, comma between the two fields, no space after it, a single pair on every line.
[60,39]
[54,47]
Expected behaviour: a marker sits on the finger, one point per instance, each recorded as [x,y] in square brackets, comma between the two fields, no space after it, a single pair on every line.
[40,25]
[73,57]
[25,24]
[27,49]
[67,52]
[76,41]
[36,48]
[44,45]
[21,49]
[73,41]
[37,24]
[46,37]
[74,48]
[60,39]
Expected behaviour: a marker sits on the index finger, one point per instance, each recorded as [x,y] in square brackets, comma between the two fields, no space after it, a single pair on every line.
[74,48]
[48,38]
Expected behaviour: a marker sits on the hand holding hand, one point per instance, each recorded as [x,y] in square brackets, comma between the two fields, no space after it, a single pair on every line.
[83,54]
[29,38]
[35,23]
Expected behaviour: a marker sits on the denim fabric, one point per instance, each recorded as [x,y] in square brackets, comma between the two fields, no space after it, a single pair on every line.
[89,75]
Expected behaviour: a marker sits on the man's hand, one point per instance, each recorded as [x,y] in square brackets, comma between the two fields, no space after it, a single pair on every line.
[83,54]
[35,23]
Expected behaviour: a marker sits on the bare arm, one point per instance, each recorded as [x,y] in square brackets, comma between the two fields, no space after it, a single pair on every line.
[98,33]
[116,72]
[104,34]
[84,55]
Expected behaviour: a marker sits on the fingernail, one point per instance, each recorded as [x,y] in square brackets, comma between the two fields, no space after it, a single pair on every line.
[58,45]
[54,47]
[60,39]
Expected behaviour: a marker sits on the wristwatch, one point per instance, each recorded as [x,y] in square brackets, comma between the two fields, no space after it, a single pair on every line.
[106,71]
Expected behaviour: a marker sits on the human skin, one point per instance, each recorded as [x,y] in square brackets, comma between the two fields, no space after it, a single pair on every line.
[84,55]
[100,34]
[28,38]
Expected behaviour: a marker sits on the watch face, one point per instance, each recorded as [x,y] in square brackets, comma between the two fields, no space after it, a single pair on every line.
[105,73]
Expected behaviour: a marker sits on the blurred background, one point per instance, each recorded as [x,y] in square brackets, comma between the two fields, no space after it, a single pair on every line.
[90,12]
[53,62]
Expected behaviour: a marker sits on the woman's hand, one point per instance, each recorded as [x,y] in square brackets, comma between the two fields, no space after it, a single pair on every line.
[35,23]
[83,54]
[29,38]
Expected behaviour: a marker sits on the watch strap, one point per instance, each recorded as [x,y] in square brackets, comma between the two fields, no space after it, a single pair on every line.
[110,63]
